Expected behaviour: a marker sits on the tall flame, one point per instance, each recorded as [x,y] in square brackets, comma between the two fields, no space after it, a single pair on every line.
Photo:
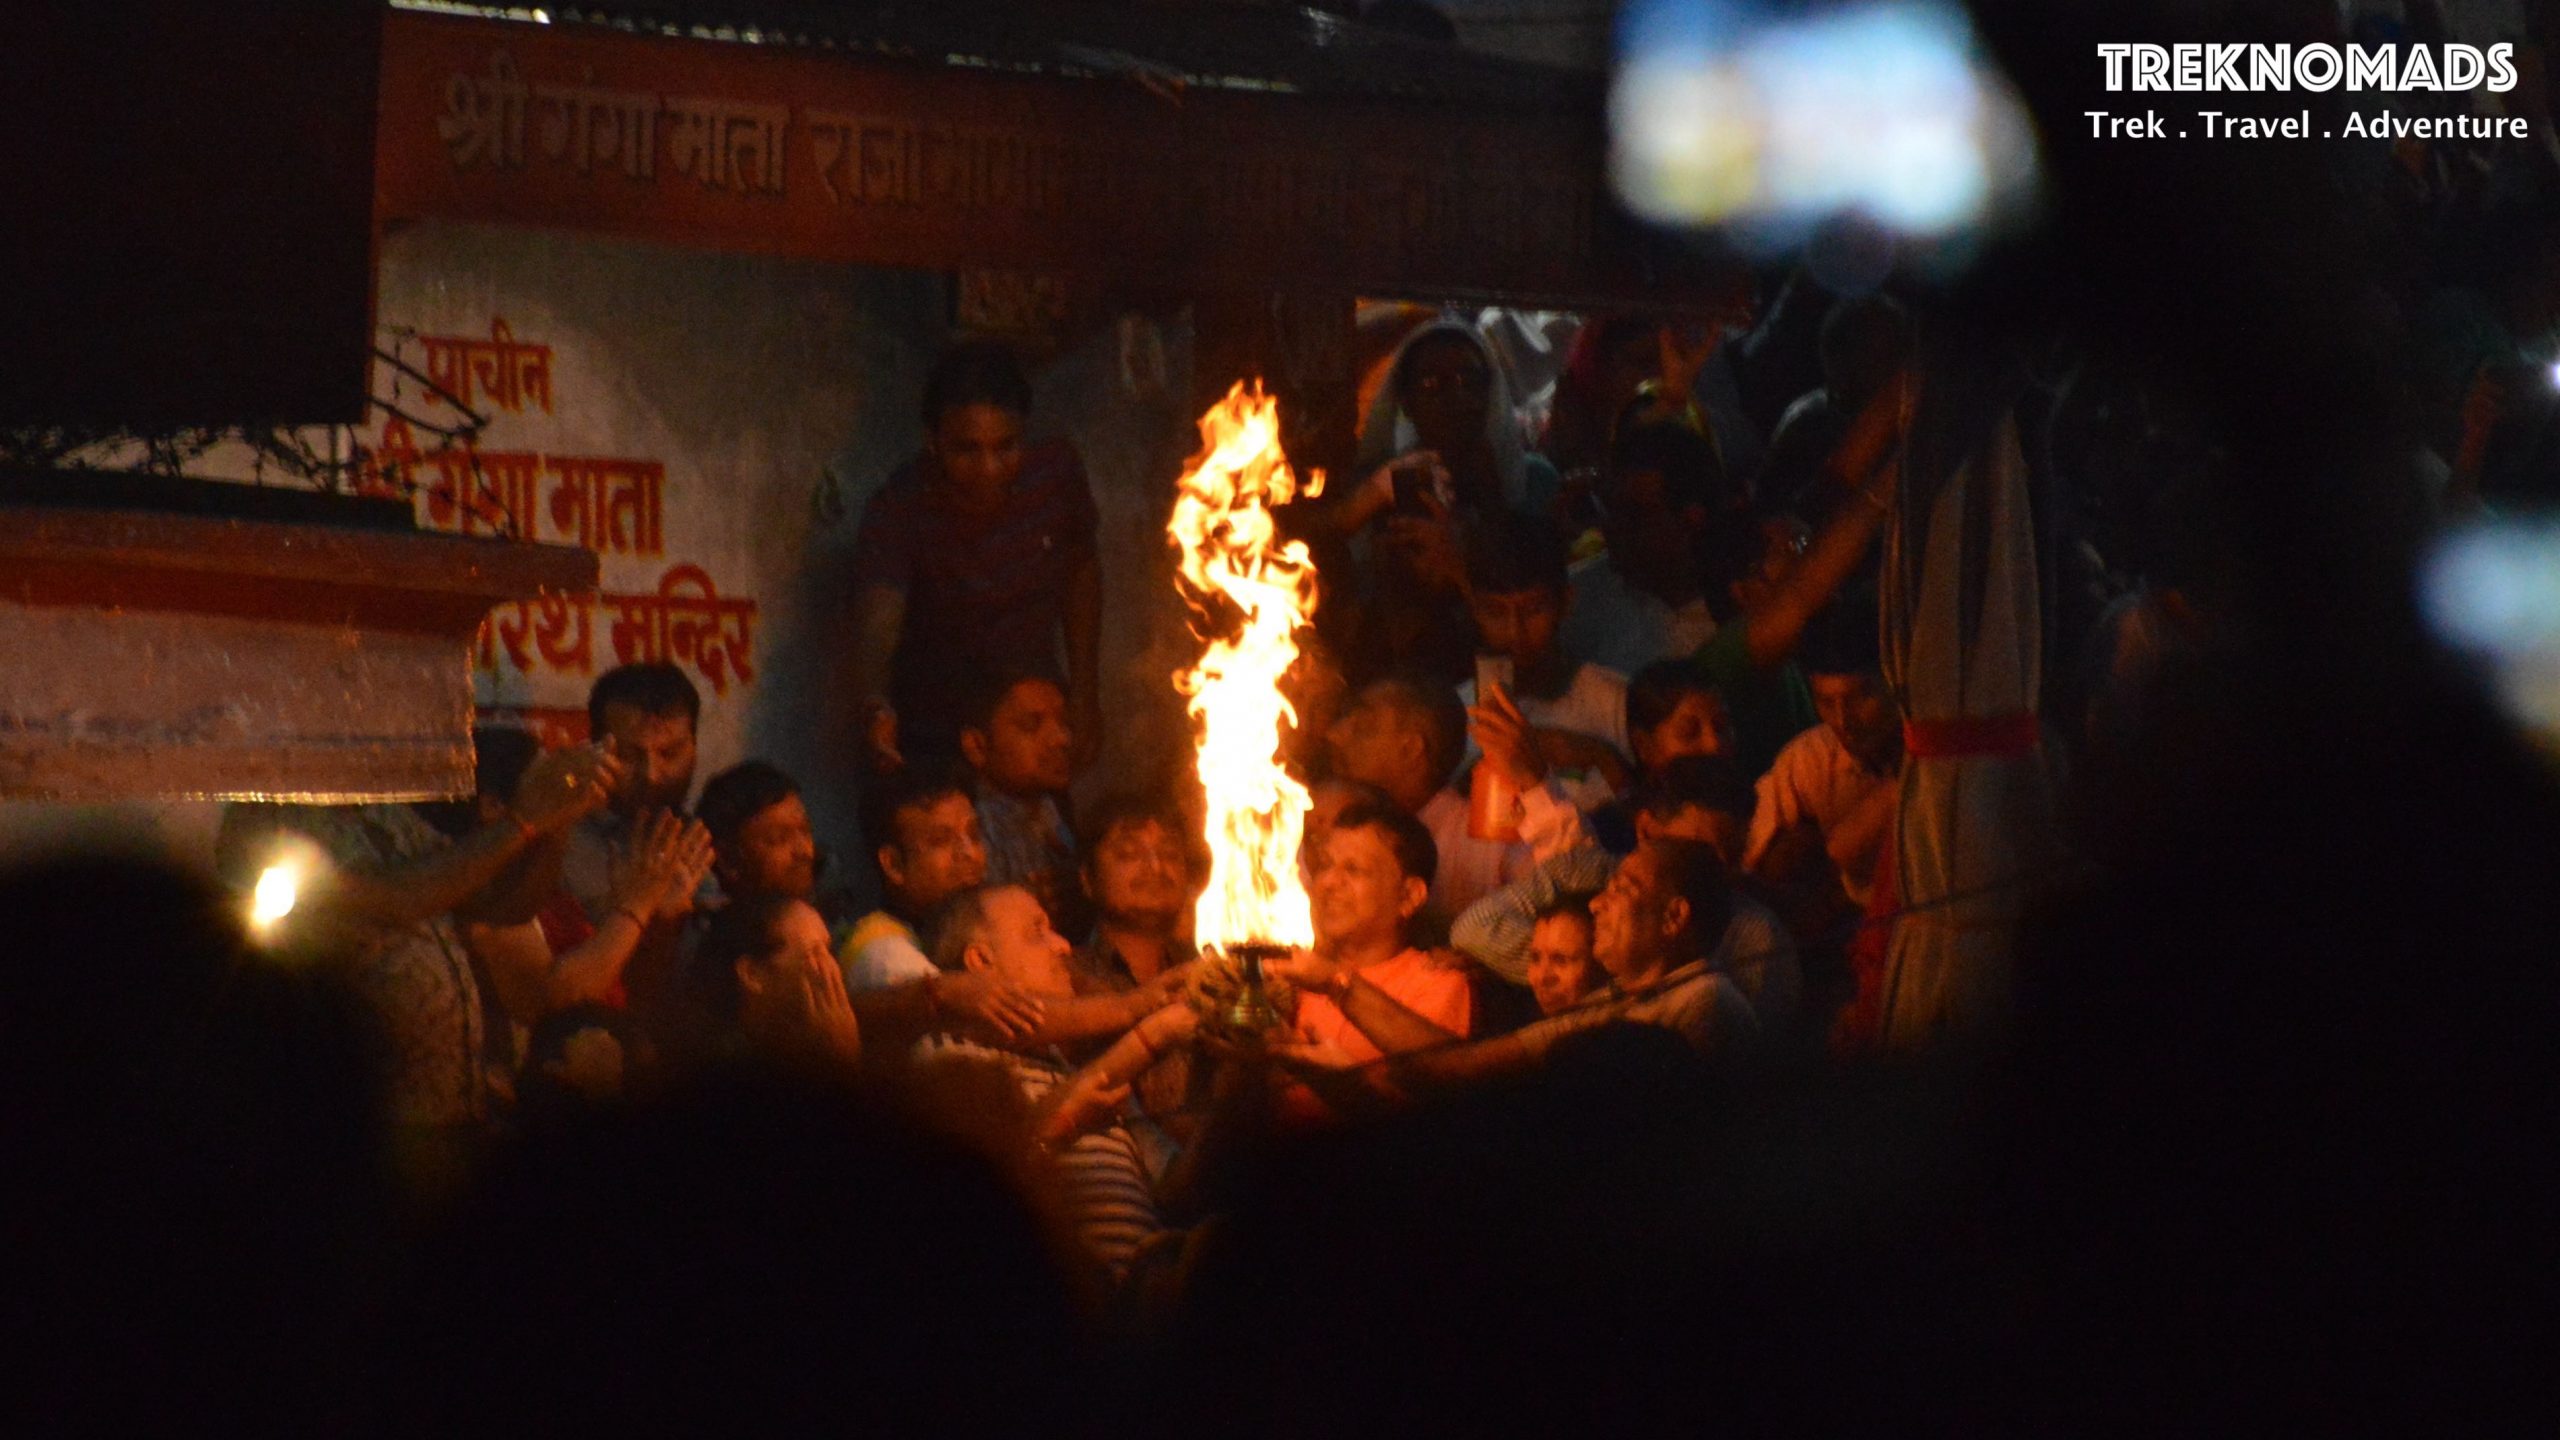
[1252,593]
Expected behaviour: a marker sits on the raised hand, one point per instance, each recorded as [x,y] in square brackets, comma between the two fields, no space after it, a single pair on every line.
[1084,1104]
[828,1013]
[880,739]
[1509,742]
[994,1007]
[693,861]
[645,864]
[562,787]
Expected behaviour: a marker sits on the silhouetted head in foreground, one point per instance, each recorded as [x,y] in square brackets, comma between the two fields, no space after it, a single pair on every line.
[191,1192]
[755,1252]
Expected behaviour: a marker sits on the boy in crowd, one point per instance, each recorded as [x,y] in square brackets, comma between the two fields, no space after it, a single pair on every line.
[1827,805]
[1517,592]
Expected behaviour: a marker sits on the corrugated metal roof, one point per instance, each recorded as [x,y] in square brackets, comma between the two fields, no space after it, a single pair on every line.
[1164,45]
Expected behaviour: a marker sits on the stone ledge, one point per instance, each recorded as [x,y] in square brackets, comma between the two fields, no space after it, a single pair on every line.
[178,656]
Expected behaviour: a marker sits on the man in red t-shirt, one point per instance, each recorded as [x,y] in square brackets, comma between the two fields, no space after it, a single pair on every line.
[1371,880]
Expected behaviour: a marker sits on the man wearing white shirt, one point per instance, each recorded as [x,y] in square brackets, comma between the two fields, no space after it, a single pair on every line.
[1829,801]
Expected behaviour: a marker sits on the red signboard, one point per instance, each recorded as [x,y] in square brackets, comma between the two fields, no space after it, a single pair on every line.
[745,147]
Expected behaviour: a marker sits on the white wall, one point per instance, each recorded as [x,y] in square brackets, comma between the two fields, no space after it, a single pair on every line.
[777,394]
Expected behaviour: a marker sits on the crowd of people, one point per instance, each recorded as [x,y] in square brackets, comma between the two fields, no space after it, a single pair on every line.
[674,1119]
[1659,803]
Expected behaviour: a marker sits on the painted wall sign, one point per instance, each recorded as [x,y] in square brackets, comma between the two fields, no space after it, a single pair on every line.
[768,149]
[536,657]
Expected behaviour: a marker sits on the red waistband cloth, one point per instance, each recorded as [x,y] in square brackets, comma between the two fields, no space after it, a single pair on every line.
[1972,737]
[1961,737]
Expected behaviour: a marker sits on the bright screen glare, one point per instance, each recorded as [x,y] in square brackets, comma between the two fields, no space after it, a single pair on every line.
[2492,591]
[1727,112]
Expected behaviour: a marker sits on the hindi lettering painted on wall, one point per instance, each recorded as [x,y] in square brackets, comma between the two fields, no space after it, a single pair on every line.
[536,658]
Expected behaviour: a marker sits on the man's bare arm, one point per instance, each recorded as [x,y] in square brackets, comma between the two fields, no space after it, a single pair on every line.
[398,896]
[879,617]
[558,790]
[1773,630]
[987,1008]
[1389,1024]
[1861,832]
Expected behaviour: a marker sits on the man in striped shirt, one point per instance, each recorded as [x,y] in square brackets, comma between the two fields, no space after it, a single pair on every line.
[1101,1187]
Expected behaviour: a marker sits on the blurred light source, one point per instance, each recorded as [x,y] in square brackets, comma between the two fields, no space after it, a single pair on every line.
[2492,590]
[1774,118]
[279,885]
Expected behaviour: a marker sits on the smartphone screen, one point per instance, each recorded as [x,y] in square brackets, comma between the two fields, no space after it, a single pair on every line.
[1492,672]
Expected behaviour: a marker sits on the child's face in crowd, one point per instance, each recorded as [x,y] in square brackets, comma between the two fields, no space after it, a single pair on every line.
[1561,970]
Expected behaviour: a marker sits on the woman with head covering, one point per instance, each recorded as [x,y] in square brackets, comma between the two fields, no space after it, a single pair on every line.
[1440,447]
[1445,395]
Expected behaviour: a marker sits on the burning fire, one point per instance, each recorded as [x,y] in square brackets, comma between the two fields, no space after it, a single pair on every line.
[1252,592]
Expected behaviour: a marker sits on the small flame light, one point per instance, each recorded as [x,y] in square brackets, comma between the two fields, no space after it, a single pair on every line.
[279,887]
